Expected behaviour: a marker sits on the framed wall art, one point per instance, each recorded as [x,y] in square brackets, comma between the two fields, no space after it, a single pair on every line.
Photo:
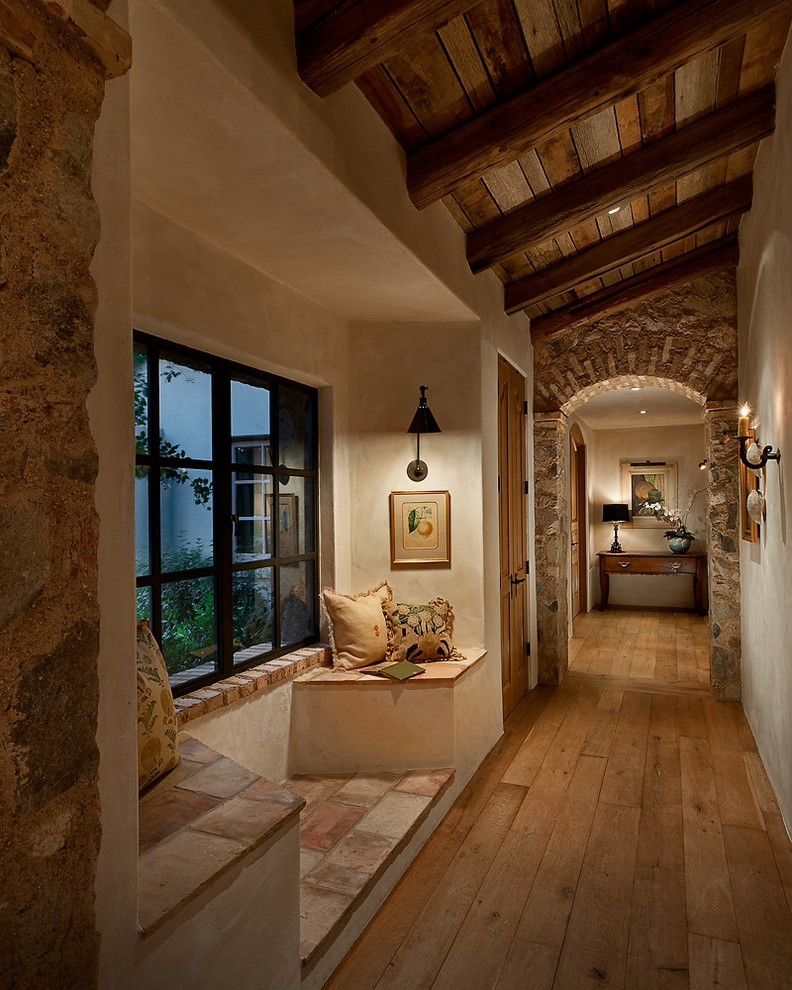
[420,524]
[649,488]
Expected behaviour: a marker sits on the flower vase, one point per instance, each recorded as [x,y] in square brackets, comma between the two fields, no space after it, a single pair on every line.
[679,543]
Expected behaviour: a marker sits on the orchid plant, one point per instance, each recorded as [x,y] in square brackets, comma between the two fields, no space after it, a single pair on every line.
[677,518]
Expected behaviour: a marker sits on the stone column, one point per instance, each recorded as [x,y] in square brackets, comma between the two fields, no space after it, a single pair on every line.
[552,544]
[723,535]
[51,88]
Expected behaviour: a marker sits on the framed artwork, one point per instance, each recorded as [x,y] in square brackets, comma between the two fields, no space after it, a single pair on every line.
[749,482]
[420,524]
[648,488]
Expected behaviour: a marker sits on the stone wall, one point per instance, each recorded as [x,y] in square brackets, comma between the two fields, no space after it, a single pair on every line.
[685,340]
[51,88]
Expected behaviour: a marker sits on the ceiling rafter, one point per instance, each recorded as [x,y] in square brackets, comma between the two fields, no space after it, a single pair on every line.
[737,126]
[714,257]
[358,34]
[721,203]
[617,70]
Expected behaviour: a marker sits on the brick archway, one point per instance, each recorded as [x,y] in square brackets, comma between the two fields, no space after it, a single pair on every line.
[684,340]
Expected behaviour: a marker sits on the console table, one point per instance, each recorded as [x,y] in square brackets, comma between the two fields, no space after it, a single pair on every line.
[649,562]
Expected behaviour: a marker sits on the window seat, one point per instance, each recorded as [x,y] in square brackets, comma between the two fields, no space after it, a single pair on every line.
[345,721]
[206,816]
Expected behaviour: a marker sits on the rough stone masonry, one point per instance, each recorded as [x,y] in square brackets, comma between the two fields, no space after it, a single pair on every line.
[51,90]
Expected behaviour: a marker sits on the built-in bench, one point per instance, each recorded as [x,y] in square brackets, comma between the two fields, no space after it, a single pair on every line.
[370,765]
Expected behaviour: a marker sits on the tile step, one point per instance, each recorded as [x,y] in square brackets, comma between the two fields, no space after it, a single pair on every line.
[352,829]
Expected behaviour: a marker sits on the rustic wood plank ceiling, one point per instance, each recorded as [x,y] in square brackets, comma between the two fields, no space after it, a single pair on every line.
[594,151]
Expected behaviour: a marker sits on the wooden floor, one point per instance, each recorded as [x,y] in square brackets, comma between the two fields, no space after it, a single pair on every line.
[621,834]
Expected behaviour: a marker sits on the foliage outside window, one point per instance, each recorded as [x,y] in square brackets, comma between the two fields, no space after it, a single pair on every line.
[225,511]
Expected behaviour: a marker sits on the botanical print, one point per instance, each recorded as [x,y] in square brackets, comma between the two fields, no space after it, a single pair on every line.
[420,526]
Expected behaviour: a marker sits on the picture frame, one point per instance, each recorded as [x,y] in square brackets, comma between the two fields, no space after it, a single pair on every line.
[420,525]
[648,483]
[749,482]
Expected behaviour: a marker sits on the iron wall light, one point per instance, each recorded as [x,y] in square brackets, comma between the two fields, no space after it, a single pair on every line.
[616,512]
[703,465]
[422,422]
[751,454]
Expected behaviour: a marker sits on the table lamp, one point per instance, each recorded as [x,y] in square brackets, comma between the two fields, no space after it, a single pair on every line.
[617,512]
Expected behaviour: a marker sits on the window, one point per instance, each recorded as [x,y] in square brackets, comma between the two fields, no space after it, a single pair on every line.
[225,511]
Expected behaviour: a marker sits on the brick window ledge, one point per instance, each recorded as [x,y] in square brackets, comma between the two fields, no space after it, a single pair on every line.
[247,682]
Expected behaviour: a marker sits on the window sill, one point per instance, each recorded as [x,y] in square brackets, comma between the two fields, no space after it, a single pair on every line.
[202,701]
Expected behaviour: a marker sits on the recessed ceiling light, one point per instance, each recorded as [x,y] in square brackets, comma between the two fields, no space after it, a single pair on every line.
[643,412]
[613,209]
[635,388]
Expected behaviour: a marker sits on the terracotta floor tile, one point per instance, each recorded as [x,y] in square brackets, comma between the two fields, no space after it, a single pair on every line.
[175,870]
[245,821]
[353,862]
[328,824]
[221,779]
[308,860]
[320,912]
[273,794]
[167,812]
[183,770]
[366,789]
[191,749]
[426,782]
[314,789]
[395,814]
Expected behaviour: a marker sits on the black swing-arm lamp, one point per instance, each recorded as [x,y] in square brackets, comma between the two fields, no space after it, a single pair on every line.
[422,422]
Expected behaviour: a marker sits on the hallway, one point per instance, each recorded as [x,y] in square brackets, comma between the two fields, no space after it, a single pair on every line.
[622,833]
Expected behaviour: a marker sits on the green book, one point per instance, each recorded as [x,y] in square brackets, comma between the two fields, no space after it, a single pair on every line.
[400,671]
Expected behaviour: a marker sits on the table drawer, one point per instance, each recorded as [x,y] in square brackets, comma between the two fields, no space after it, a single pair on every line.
[650,565]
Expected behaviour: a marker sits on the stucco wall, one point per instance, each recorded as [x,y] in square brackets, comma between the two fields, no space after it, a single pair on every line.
[765,302]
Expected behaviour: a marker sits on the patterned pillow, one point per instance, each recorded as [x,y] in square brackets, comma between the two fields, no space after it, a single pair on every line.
[420,633]
[158,748]
[358,634]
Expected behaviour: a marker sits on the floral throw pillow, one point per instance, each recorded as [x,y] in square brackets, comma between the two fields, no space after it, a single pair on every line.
[420,633]
[158,747]
[358,634]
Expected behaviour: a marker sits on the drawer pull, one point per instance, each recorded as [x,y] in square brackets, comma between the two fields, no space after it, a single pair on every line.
[676,565]
[624,563]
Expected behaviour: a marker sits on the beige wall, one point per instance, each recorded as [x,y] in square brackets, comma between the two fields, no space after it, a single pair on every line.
[764,282]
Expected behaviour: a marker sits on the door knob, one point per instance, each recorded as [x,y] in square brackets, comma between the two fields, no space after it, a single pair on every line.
[516,580]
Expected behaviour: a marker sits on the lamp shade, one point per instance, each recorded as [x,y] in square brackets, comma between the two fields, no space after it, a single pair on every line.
[616,512]
[423,421]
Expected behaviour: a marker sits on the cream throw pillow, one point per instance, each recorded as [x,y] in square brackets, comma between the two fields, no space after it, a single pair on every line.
[358,634]
[158,748]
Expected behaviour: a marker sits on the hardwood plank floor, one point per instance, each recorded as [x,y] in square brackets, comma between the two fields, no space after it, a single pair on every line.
[622,833]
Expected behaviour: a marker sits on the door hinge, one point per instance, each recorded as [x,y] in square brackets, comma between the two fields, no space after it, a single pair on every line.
[527,649]
[525,408]
[499,484]
[526,488]
[527,567]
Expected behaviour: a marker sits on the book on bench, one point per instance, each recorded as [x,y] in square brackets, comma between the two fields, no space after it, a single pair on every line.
[400,671]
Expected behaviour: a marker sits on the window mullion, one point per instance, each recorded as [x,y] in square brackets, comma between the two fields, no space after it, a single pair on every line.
[221,452]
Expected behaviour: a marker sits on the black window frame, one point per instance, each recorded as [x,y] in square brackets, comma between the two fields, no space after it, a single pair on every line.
[223,468]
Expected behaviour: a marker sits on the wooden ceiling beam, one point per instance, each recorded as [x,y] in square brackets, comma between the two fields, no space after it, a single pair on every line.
[633,244]
[359,34]
[737,126]
[714,257]
[588,86]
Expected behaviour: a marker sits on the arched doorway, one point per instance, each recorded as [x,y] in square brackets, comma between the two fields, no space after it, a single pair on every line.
[691,349]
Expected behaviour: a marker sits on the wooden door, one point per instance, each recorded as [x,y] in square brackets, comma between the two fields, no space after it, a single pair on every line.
[577,522]
[513,543]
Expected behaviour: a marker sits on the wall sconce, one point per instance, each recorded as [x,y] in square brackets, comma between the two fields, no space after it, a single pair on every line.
[750,454]
[617,512]
[422,422]
[703,465]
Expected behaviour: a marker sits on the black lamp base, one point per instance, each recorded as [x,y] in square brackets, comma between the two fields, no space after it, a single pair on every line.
[616,547]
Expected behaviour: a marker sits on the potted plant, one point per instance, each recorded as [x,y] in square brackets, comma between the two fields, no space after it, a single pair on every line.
[678,535]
